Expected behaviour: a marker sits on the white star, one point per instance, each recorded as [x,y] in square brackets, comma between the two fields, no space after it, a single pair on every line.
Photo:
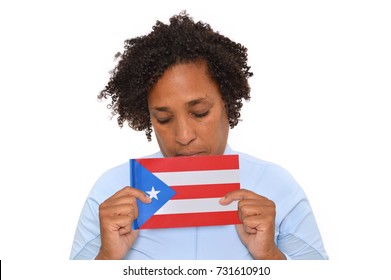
[153,193]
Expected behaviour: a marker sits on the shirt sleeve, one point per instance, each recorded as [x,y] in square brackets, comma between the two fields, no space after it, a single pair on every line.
[297,234]
[299,237]
[86,243]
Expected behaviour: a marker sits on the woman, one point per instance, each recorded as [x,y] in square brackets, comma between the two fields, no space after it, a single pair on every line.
[186,83]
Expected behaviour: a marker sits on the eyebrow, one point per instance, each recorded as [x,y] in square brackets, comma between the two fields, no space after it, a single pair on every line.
[196,101]
[162,109]
[189,104]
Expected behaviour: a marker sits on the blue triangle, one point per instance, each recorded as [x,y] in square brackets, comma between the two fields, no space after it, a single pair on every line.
[143,179]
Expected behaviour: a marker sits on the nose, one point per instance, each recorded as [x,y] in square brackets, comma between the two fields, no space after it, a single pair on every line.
[184,131]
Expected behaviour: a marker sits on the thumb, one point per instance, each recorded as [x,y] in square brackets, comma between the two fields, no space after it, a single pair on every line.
[225,200]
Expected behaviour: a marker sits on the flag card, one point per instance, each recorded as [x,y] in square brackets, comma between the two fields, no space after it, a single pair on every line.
[185,191]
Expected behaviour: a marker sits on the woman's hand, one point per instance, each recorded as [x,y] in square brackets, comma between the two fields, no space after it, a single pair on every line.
[116,215]
[257,214]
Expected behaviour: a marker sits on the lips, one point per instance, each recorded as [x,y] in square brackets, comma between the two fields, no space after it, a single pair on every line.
[189,154]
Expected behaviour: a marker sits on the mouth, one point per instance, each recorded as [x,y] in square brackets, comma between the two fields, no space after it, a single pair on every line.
[190,154]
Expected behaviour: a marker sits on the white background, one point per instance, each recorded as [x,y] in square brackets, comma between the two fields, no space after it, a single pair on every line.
[320,108]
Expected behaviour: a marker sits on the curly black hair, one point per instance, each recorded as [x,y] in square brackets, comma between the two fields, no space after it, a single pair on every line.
[146,58]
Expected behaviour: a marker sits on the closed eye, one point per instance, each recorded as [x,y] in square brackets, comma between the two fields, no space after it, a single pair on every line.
[163,121]
[201,115]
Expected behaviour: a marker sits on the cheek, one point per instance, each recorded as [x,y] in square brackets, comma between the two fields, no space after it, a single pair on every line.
[222,130]
[223,126]
[165,138]
[217,129]
[160,133]
[222,123]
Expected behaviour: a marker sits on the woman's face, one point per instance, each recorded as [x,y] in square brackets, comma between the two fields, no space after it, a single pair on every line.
[187,112]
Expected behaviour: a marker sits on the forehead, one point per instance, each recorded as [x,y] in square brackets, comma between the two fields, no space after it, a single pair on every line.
[185,82]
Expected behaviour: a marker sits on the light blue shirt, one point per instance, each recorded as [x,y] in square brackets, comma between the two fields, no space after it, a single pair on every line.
[296,234]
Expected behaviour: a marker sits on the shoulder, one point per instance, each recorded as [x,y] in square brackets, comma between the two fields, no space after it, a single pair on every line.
[267,178]
[260,167]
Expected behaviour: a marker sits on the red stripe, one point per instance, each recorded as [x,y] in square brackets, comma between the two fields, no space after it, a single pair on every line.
[203,191]
[173,164]
[192,220]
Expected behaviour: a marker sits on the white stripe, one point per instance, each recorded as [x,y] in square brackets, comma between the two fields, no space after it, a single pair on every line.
[199,177]
[200,205]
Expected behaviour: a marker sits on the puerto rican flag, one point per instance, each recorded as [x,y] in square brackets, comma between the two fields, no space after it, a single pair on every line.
[185,191]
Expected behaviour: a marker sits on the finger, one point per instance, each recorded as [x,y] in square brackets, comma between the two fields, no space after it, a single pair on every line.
[122,200]
[260,202]
[262,208]
[115,223]
[119,210]
[258,223]
[125,230]
[247,229]
[246,210]
[237,195]
[129,191]
[251,201]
